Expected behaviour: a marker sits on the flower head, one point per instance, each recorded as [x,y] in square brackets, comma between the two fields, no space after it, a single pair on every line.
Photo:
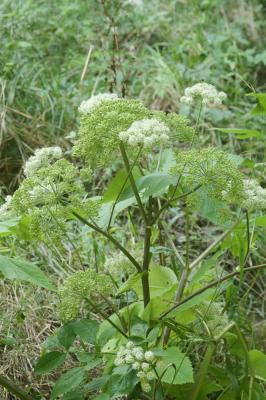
[254,195]
[95,101]
[204,92]
[146,133]
[41,157]
[5,207]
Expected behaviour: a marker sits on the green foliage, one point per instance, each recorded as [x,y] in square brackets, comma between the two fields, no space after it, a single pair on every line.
[148,191]
[174,367]
[22,270]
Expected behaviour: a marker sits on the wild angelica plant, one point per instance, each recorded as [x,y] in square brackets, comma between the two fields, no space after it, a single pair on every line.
[141,333]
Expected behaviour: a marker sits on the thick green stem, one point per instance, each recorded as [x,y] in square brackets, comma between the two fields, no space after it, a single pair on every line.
[202,371]
[146,258]
[132,181]
[14,389]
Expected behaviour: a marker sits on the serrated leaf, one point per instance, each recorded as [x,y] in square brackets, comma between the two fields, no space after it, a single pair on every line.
[121,383]
[68,381]
[66,335]
[86,329]
[49,361]
[16,268]
[174,366]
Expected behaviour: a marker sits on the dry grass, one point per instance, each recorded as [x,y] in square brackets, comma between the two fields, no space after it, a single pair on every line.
[30,320]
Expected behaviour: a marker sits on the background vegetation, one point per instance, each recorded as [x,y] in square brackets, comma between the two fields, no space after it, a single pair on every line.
[53,55]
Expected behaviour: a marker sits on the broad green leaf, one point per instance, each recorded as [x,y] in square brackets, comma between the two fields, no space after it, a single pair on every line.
[66,335]
[117,183]
[102,396]
[261,221]
[49,361]
[258,361]
[168,160]
[174,366]
[242,133]
[106,209]
[16,268]
[7,225]
[153,185]
[260,108]
[86,329]
[161,279]
[68,381]
[122,381]
[206,295]
[97,383]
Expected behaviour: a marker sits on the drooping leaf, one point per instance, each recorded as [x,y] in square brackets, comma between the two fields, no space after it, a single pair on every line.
[174,366]
[16,268]
[49,361]
[68,381]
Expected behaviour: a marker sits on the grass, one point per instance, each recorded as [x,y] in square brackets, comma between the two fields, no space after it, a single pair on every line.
[164,47]
[55,54]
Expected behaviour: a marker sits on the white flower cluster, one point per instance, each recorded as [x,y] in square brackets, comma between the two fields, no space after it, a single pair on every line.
[41,157]
[206,93]
[5,207]
[255,195]
[88,105]
[146,132]
[140,361]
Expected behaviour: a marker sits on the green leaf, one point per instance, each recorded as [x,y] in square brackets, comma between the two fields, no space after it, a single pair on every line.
[261,221]
[66,335]
[154,185]
[207,294]
[117,184]
[258,361]
[174,366]
[16,268]
[102,396]
[122,381]
[161,279]
[97,383]
[242,133]
[49,361]
[68,381]
[7,225]
[86,329]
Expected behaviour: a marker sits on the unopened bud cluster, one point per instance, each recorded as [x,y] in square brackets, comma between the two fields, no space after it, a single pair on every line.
[140,361]
[146,133]
[206,93]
